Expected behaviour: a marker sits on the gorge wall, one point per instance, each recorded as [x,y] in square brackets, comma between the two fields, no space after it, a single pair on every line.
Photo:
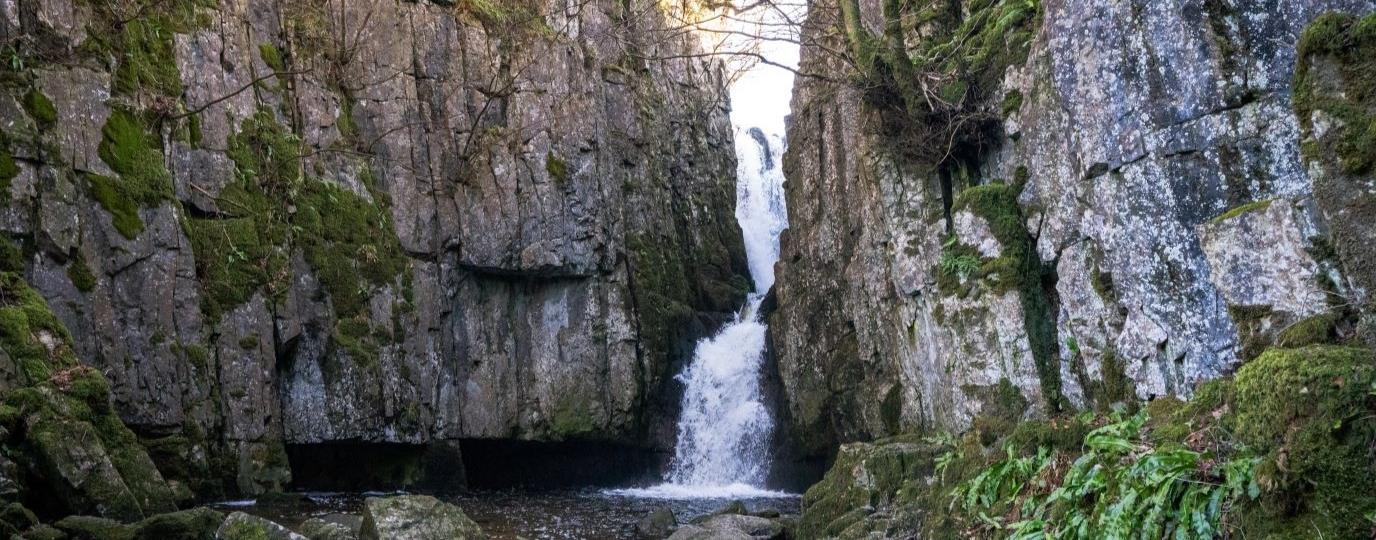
[1076,204]
[272,224]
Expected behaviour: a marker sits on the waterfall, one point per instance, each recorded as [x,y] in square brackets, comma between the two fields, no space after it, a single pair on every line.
[725,429]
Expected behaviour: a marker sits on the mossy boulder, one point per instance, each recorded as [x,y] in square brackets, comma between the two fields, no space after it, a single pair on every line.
[866,476]
[415,517]
[76,455]
[94,528]
[241,526]
[1311,413]
[193,524]
[15,518]
[84,459]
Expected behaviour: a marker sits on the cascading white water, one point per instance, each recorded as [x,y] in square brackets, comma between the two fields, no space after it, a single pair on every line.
[725,429]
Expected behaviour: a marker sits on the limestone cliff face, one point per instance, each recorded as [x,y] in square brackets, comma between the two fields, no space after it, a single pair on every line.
[277,223]
[1131,214]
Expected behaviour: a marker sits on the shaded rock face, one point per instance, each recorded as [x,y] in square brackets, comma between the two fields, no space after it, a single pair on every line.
[299,223]
[1155,160]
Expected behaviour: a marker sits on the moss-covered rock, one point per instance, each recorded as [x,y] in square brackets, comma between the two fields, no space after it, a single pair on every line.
[241,526]
[1298,425]
[1311,413]
[94,528]
[1335,103]
[133,150]
[1019,268]
[194,524]
[15,518]
[415,516]
[272,210]
[31,336]
[77,454]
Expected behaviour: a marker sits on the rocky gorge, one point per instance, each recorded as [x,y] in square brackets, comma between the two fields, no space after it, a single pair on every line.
[1070,269]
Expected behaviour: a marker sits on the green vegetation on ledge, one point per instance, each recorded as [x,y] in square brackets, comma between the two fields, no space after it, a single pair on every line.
[1282,450]
[936,96]
[1019,268]
[271,210]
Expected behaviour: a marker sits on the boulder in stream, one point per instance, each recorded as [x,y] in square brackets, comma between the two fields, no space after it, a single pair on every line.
[241,526]
[416,517]
[329,527]
[658,524]
[731,527]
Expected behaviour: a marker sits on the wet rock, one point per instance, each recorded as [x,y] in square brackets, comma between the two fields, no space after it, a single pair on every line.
[94,528]
[733,507]
[330,528]
[658,524]
[415,517]
[43,532]
[241,526]
[14,519]
[195,524]
[731,527]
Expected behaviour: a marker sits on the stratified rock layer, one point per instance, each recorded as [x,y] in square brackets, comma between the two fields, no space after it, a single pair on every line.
[1147,152]
[273,223]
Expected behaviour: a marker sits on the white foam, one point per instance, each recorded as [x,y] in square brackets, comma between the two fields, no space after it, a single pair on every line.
[682,492]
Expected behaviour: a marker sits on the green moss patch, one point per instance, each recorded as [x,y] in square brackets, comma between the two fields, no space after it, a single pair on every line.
[11,256]
[557,168]
[1242,210]
[273,209]
[1019,268]
[35,340]
[80,274]
[40,108]
[129,146]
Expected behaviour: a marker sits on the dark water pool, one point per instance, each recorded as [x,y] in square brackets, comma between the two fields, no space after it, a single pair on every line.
[552,515]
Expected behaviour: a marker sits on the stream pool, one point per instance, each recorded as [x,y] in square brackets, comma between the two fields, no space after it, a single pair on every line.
[522,514]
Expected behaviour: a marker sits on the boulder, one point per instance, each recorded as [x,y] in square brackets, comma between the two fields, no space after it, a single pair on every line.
[659,523]
[731,527]
[194,524]
[416,517]
[14,519]
[328,528]
[94,528]
[241,526]
[43,532]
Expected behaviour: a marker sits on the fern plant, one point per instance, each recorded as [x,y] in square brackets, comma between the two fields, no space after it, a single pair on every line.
[1122,487]
[957,260]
